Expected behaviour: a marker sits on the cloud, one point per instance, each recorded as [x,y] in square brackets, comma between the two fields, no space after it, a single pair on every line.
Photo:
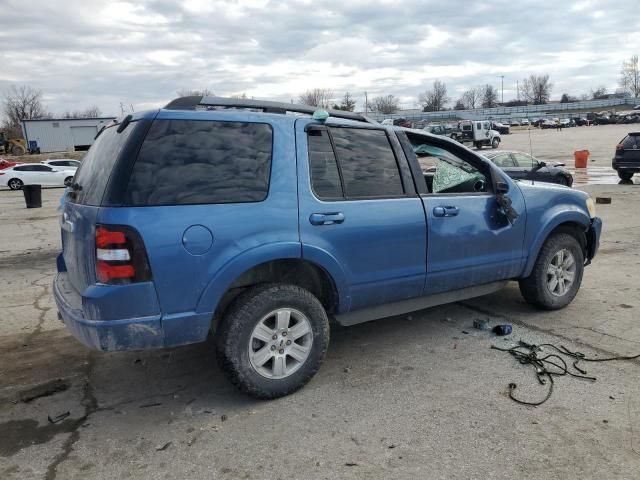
[141,52]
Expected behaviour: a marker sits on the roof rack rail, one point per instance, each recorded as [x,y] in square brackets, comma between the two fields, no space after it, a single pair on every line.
[192,102]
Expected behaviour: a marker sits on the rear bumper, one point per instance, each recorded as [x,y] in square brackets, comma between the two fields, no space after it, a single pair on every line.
[593,238]
[107,335]
[132,333]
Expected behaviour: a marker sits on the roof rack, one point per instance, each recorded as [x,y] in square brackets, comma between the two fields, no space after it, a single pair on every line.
[193,102]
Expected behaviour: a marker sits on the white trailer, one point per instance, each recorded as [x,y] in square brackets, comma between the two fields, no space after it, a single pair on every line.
[62,134]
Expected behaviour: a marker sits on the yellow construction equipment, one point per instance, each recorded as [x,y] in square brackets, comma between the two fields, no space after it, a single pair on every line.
[14,146]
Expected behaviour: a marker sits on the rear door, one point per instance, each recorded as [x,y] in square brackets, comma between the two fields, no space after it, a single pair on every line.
[359,206]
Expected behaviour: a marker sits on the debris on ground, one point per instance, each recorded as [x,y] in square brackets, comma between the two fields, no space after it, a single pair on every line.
[502,330]
[58,418]
[481,324]
[162,447]
[46,389]
[147,405]
[603,200]
[551,365]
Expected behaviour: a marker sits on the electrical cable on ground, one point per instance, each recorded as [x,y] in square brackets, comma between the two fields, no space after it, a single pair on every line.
[551,365]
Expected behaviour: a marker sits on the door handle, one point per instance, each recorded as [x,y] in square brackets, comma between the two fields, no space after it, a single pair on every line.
[448,211]
[326,218]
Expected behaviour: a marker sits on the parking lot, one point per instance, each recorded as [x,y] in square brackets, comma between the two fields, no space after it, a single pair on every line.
[416,396]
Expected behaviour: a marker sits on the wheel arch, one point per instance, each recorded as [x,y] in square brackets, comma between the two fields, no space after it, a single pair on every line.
[573,225]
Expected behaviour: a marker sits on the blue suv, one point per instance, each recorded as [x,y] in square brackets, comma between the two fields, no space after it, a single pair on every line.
[256,222]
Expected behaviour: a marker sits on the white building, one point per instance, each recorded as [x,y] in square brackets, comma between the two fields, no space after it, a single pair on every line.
[62,134]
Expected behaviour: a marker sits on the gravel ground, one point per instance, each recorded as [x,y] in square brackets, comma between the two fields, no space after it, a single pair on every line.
[418,396]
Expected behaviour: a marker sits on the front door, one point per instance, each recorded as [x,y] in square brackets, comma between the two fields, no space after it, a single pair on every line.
[359,210]
[469,241]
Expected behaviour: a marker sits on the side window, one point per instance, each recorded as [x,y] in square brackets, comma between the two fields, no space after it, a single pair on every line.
[503,160]
[368,164]
[451,173]
[478,126]
[523,160]
[183,162]
[25,168]
[325,177]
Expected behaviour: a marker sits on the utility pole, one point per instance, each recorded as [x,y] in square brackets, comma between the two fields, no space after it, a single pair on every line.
[502,86]
[518,89]
[366,103]
[122,108]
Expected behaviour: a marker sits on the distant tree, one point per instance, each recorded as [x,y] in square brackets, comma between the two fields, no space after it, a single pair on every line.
[630,77]
[435,98]
[566,98]
[472,97]
[583,97]
[489,96]
[460,105]
[91,112]
[599,93]
[21,103]
[385,104]
[318,97]
[240,96]
[348,104]
[188,92]
[536,89]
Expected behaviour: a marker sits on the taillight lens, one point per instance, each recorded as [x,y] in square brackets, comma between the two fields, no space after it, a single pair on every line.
[120,255]
[619,147]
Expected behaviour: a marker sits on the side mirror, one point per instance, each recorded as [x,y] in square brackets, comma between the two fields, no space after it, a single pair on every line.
[539,165]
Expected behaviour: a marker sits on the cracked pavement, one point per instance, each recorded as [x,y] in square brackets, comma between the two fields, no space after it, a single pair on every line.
[417,396]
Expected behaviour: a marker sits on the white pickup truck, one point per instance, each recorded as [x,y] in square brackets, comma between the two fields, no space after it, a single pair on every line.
[476,132]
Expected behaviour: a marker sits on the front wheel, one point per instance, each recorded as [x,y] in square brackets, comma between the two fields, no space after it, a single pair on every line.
[626,176]
[68,181]
[557,273]
[494,143]
[272,340]
[15,184]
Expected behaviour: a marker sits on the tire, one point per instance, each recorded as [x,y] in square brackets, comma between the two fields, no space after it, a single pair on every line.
[495,143]
[238,346]
[626,176]
[68,181]
[15,184]
[538,288]
[562,180]
[478,145]
[17,150]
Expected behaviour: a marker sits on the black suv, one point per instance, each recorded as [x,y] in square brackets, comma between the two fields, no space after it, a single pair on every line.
[626,161]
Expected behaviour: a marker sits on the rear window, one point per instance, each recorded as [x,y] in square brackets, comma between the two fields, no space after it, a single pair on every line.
[630,141]
[184,162]
[94,172]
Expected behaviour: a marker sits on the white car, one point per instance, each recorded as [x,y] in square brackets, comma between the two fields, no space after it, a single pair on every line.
[67,163]
[36,174]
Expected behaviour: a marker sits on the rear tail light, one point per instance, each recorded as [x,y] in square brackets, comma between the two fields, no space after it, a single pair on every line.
[619,147]
[120,255]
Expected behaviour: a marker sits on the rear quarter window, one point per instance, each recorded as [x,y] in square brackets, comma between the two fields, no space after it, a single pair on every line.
[184,162]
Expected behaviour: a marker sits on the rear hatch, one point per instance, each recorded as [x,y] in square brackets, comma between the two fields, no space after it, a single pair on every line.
[630,151]
[82,205]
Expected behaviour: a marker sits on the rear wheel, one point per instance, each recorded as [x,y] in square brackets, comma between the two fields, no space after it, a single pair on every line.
[478,145]
[557,273]
[15,184]
[272,340]
[68,181]
[17,150]
[626,176]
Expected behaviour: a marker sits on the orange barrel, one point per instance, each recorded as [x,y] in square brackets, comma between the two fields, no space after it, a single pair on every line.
[581,157]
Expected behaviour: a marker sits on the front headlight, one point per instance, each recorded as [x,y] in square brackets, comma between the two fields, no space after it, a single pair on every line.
[591,207]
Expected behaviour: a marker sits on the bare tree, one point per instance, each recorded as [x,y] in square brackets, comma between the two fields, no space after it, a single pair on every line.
[459,105]
[489,96]
[21,103]
[385,104]
[472,97]
[630,77]
[318,97]
[599,92]
[348,104]
[434,99]
[240,96]
[188,92]
[91,112]
[566,98]
[536,89]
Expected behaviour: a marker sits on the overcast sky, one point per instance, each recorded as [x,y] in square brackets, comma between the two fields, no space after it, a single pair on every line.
[96,52]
